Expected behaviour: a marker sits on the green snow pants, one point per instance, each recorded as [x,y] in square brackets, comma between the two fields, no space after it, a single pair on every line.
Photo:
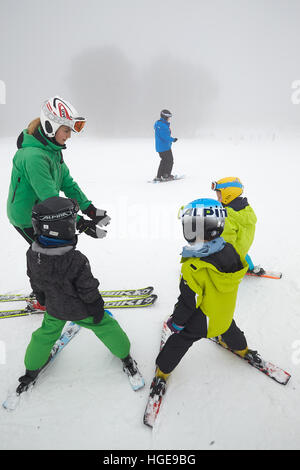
[43,339]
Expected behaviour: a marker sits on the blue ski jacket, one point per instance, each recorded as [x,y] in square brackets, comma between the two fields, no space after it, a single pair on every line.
[163,139]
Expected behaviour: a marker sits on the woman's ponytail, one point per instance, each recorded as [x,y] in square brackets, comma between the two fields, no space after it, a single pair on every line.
[32,127]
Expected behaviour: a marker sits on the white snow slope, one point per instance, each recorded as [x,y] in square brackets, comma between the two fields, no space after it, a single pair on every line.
[214,400]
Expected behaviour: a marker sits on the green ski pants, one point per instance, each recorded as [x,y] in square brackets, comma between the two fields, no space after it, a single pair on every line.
[43,339]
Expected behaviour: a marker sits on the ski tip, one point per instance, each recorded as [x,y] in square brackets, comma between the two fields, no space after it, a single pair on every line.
[150,300]
[288,378]
[148,420]
[11,402]
[148,424]
[135,388]
[266,275]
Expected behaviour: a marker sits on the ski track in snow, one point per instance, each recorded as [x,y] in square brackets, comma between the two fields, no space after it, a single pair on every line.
[214,400]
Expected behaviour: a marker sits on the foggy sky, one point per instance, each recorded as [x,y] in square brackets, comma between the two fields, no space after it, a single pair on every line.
[215,64]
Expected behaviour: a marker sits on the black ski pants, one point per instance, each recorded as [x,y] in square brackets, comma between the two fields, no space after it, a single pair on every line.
[196,328]
[166,164]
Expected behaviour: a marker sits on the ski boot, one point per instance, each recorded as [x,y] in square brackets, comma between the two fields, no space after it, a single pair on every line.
[26,380]
[33,305]
[38,307]
[30,377]
[168,178]
[247,354]
[131,370]
[129,365]
[159,383]
[257,270]
[253,357]
[158,387]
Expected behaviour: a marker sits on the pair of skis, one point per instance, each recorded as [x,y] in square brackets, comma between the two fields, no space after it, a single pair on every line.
[135,298]
[167,180]
[155,400]
[123,298]
[12,401]
[137,381]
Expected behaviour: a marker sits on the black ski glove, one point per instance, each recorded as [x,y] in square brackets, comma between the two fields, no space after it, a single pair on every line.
[90,228]
[96,310]
[99,216]
[175,139]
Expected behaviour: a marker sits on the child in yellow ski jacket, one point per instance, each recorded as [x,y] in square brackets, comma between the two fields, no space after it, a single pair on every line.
[241,219]
[210,275]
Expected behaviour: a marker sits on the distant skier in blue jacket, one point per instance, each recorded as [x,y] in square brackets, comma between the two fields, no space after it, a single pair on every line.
[163,143]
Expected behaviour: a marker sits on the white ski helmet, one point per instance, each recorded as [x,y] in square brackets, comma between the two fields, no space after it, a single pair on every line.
[57,112]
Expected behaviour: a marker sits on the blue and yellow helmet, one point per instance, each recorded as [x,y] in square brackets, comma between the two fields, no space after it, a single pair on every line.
[230,187]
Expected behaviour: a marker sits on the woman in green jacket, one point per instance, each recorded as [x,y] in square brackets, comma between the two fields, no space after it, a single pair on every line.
[210,275]
[39,170]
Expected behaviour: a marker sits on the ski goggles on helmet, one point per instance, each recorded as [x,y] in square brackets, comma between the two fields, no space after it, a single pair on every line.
[231,184]
[78,124]
[56,120]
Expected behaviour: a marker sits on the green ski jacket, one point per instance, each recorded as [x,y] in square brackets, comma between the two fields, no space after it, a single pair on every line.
[239,229]
[38,173]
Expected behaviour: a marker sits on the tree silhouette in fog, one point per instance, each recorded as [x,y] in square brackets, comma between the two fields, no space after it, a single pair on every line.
[183,88]
[103,86]
[120,99]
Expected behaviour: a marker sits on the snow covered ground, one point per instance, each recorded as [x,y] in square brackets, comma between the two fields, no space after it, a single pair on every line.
[214,400]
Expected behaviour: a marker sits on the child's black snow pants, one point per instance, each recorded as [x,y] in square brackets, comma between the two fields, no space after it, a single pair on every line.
[196,328]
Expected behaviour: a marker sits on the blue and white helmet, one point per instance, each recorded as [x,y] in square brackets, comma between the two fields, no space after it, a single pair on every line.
[203,220]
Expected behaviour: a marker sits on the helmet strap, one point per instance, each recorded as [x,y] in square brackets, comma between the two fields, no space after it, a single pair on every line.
[40,135]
